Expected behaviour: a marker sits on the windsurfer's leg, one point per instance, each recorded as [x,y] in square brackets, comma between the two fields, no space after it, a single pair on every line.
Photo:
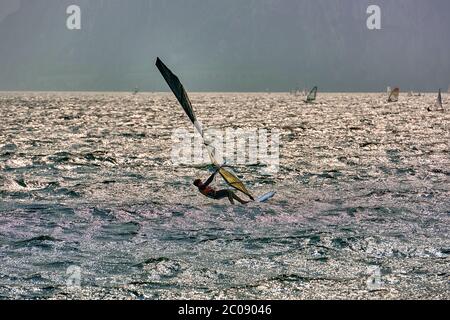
[225,193]
[220,194]
[230,197]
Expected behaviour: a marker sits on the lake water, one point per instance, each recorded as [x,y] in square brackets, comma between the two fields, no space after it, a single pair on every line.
[91,206]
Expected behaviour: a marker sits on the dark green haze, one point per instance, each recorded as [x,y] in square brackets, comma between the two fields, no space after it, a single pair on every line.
[225,45]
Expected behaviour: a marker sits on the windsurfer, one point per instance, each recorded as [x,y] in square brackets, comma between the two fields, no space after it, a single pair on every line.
[206,190]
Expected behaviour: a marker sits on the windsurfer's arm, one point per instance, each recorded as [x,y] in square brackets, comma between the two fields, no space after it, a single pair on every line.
[210,179]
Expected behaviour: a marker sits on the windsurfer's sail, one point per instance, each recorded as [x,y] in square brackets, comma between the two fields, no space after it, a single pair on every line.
[312,95]
[182,97]
[233,181]
[179,92]
[394,94]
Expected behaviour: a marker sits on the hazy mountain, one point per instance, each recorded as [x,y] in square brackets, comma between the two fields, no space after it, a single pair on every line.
[231,45]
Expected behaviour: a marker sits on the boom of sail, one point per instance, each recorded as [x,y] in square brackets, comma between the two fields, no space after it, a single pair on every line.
[182,97]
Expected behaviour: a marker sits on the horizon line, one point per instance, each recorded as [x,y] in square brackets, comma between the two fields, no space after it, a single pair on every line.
[194,92]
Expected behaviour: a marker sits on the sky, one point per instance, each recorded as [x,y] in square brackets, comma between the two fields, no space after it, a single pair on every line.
[225,45]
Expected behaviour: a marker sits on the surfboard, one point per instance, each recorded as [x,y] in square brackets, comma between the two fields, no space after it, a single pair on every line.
[266,197]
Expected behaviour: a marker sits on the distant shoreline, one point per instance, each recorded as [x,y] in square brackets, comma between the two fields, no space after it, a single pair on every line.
[202,92]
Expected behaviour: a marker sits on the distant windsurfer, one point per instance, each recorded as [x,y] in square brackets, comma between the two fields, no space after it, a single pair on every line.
[210,192]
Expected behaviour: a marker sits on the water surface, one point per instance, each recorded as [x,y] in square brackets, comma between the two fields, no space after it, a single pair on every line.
[86,180]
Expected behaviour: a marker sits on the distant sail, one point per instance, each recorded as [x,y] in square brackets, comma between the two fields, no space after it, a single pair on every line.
[182,97]
[312,95]
[393,96]
[438,103]
[388,90]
